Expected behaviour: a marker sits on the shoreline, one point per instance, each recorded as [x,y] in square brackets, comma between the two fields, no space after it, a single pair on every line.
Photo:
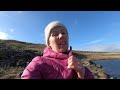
[104,75]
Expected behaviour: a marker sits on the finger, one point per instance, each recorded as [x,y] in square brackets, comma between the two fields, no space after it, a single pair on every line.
[74,59]
[70,67]
[75,66]
[79,63]
[70,64]
[70,57]
[70,61]
[79,67]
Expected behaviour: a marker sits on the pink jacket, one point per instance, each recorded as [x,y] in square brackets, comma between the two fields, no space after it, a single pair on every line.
[51,65]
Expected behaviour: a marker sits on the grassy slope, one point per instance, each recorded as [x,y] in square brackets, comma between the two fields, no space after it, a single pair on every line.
[9,72]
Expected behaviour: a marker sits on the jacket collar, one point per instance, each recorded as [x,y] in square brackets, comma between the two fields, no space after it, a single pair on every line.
[48,52]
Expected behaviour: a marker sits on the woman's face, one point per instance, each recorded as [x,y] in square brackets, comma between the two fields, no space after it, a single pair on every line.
[58,40]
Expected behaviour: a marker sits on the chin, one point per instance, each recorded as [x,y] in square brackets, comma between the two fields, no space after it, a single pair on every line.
[63,51]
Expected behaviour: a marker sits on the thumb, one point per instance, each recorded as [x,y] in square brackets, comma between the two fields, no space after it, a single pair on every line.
[70,52]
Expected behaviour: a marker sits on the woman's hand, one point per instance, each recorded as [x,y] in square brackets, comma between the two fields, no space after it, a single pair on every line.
[75,64]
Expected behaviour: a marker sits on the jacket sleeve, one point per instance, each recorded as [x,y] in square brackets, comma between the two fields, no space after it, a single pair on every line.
[33,70]
[88,74]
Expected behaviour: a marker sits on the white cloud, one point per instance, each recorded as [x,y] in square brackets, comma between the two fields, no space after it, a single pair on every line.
[9,14]
[96,41]
[3,35]
[103,47]
[4,13]
[11,30]
[19,12]
[112,48]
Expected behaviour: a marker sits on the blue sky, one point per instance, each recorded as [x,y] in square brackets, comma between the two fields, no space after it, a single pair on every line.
[88,30]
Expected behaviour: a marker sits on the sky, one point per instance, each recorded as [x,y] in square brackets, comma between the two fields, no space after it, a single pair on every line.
[88,30]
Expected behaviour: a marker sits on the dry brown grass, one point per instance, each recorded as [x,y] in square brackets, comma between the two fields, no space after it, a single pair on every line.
[10,73]
[102,57]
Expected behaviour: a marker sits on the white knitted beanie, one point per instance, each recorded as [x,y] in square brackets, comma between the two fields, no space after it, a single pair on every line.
[49,27]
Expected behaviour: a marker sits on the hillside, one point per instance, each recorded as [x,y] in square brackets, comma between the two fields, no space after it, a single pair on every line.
[14,56]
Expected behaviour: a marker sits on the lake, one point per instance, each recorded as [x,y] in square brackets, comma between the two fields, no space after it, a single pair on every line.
[111,67]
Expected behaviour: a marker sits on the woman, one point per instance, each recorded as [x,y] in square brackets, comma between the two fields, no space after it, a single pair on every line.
[57,61]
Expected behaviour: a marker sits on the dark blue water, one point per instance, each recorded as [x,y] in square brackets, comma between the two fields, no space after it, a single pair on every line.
[111,67]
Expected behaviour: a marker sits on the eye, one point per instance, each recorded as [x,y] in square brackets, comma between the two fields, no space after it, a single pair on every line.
[63,33]
[54,34]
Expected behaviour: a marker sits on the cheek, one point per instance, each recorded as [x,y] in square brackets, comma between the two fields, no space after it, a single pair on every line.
[67,39]
[53,41]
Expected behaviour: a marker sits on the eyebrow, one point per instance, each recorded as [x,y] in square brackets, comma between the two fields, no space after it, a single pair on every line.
[57,31]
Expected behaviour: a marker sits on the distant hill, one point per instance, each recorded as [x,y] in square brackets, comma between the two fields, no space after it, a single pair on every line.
[22,45]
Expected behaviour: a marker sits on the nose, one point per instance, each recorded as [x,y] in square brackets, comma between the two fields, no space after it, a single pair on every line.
[60,35]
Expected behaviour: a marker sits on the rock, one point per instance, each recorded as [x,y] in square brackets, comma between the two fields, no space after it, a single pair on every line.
[19,74]
[111,78]
[99,66]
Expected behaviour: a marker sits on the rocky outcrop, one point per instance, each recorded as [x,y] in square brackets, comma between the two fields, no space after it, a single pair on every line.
[15,57]
[96,69]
